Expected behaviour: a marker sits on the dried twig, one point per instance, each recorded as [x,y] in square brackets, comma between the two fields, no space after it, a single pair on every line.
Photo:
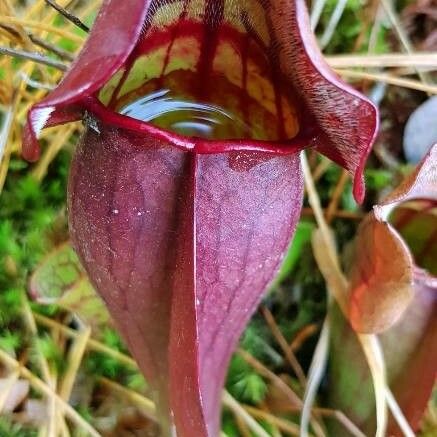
[5,132]
[35,24]
[303,335]
[336,196]
[74,360]
[315,375]
[39,385]
[383,61]
[389,79]
[350,215]
[316,12]
[91,343]
[236,408]
[68,15]
[147,406]
[402,35]
[333,22]
[291,358]
[33,56]
[293,398]
[342,418]
[63,54]
[282,424]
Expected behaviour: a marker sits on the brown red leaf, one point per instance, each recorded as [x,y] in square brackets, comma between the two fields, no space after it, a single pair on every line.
[410,349]
[383,273]
[390,294]
[60,279]
[381,277]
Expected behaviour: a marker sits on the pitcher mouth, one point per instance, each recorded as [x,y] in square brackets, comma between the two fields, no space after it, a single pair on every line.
[264,49]
[98,115]
[204,89]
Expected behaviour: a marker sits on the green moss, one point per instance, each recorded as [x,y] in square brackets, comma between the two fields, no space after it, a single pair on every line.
[50,350]
[9,341]
[10,429]
[104,365]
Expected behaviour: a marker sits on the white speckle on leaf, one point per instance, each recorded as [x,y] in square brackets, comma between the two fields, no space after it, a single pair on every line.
[40,118]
